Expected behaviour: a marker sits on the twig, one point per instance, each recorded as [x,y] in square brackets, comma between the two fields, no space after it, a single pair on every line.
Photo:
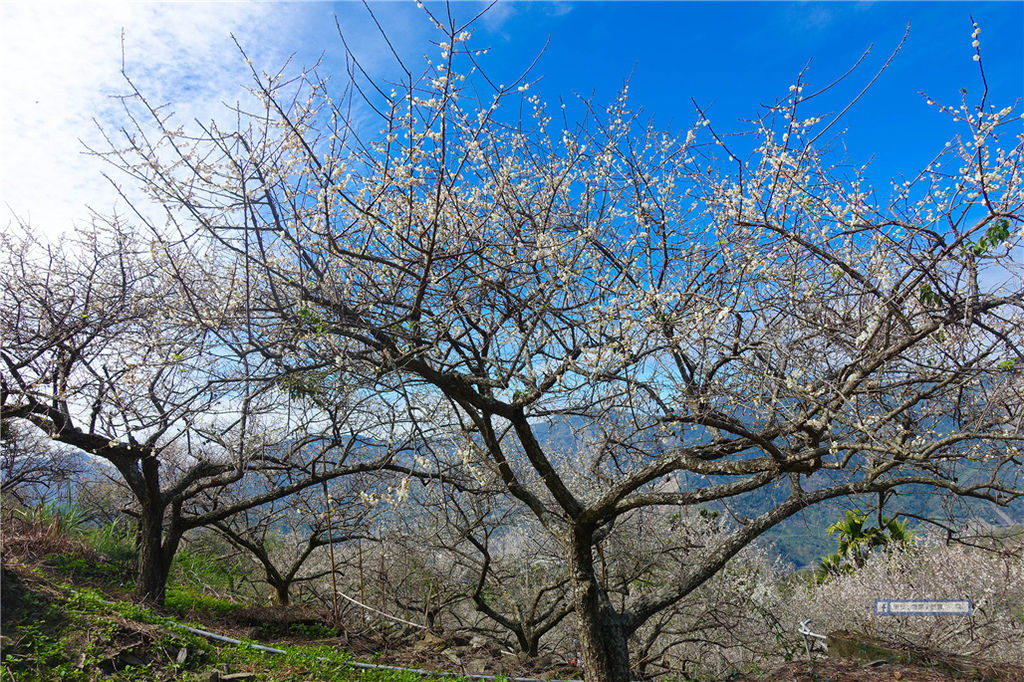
[370,608]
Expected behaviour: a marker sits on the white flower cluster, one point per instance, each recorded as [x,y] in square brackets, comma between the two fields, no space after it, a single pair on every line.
[930,569]
[394,495]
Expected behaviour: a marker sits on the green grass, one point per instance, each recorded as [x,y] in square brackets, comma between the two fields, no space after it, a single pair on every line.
[79,567]
[115,542]
[187,599]
[63,537]
[65,633]
[59,622]
[296,630]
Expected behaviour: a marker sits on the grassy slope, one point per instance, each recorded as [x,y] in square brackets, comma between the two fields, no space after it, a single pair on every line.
[65,616]
[54,630]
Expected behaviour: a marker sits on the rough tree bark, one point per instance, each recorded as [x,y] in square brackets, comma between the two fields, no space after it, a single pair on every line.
[604,634]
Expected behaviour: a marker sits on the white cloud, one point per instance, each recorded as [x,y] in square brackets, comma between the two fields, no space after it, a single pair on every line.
[62,63]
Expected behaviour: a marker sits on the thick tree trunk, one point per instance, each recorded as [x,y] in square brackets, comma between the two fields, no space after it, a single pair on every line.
[604,640]
[154,563]
[283,598]
[532,647]
[528,642]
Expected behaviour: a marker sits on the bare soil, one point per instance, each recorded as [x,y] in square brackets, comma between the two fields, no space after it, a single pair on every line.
[854,670]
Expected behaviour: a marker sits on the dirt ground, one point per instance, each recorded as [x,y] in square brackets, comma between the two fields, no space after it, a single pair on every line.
[853,670]
[412,649]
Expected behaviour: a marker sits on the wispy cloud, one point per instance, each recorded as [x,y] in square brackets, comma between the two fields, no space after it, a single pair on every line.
[62,66]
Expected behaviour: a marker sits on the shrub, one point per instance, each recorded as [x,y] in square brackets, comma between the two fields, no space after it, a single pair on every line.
[993,581]
[857,540]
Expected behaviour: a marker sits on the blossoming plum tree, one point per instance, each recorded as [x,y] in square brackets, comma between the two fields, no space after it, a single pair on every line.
[754,326]
[102,353]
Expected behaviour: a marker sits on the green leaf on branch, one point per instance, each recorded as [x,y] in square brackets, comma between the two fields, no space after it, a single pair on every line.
[994,236]
[928,297]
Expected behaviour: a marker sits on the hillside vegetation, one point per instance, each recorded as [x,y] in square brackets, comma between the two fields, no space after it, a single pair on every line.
[67,615]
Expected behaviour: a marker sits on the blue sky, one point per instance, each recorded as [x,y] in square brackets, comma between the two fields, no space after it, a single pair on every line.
[732,57]
[728,56]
